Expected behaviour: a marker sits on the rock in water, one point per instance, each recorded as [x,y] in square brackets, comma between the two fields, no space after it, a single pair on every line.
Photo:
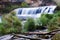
[6,37]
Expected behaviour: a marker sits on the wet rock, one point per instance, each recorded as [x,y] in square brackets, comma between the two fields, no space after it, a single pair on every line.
[6,37]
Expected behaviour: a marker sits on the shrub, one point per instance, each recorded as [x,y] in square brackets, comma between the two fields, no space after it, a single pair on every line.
[57,14]
[11,30]
[54,22]
[43,20]
[38,24]
[12,23]
[2,29]
[29,25]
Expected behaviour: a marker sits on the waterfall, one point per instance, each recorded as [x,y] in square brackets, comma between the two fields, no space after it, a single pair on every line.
[24,13]
[34,12]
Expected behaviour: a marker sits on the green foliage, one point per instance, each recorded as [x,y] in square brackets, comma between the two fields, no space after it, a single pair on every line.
[38,24]
[29,25]
[43,19]
[11,7]
[11,30]
[2,29]
[57,14]
[56,36]
[11,23]
[24,4]
[54,23]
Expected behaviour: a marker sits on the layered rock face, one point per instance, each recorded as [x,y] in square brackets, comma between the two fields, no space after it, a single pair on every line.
[36,3]
[12,0]
[57,2]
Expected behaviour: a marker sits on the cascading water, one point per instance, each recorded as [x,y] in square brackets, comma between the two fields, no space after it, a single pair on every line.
[34,12]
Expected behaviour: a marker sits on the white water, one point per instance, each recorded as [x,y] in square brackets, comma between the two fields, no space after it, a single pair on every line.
[34,12]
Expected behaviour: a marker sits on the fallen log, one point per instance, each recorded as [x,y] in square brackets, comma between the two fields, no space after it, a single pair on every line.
[23,35]
[26,37]
[49,34]
[42,33]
